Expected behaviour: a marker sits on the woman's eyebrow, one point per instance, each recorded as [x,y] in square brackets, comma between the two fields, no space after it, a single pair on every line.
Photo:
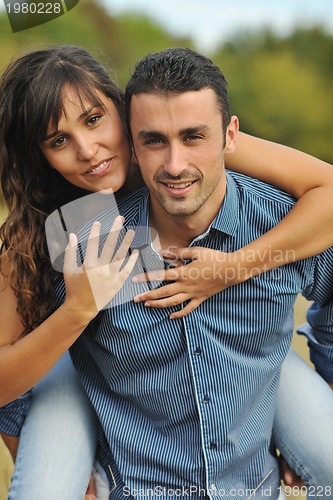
[87,111]
[49,136]
[82,115]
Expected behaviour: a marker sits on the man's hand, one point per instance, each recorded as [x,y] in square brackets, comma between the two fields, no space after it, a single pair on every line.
[91,490]
[209,272]
[288,475]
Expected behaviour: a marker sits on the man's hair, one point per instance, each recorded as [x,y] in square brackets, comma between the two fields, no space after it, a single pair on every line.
[178,70]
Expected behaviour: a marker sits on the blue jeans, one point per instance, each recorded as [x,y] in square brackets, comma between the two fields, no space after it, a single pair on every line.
[58,440]
[303,425]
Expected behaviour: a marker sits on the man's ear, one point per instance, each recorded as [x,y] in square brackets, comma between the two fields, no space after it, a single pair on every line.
[231,135]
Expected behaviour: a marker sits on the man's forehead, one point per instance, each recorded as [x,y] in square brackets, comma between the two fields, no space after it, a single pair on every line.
[193,101]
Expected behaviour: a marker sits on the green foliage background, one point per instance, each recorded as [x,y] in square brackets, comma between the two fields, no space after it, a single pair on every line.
[280,88]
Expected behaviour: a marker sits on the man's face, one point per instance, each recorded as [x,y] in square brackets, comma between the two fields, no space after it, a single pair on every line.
[178,141]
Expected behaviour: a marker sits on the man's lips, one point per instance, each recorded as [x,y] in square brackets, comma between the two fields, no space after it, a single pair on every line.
[179,188]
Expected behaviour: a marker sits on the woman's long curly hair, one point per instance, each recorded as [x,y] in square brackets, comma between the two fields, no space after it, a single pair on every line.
[31,98]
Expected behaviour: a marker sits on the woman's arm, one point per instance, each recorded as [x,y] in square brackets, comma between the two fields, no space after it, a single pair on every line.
[26,360]
[289,169]
[307,229]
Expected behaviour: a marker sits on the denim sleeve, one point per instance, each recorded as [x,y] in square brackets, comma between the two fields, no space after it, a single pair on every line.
[12,415]
[319,332]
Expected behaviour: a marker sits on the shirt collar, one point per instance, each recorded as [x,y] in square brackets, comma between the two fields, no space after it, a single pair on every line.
[142,236]
[226,221]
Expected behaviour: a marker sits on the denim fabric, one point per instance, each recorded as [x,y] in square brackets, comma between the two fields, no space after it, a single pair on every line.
[58,440]
[303,425]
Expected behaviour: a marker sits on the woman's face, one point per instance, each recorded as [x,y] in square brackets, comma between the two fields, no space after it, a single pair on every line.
[89,147]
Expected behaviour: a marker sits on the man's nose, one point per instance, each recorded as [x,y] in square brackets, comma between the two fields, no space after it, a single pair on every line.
[175,161]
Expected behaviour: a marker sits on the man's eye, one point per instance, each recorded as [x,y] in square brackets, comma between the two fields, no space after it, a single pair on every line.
[153,141]
[192,138]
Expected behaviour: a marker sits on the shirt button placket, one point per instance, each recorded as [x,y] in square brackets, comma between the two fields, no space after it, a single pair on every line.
[198,351]
[206,399]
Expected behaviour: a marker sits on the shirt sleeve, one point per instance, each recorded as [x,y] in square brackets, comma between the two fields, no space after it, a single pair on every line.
[12,415]
[319,332]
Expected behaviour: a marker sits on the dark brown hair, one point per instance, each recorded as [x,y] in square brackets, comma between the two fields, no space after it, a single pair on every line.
[31,96]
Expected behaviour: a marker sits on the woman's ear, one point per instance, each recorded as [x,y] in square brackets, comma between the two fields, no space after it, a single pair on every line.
[231,135]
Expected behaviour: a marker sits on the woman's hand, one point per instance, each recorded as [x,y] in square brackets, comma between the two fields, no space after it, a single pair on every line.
[208,273]
[90,286]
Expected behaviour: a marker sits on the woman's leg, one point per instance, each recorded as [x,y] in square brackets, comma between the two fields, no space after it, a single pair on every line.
[303,425]
[58,440]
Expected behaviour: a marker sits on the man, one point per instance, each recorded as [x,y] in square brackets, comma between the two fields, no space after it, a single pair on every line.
[186,406]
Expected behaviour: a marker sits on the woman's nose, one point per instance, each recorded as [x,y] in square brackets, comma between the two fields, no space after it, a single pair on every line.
[86,148]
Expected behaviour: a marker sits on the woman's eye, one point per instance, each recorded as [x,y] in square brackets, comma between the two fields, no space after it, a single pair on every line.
[93,119]
[59,141]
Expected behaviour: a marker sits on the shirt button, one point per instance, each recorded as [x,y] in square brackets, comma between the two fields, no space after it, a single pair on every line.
[213,446]
[206,399]
[198,351]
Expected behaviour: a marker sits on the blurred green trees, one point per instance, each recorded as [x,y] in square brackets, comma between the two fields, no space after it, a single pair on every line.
[279,87]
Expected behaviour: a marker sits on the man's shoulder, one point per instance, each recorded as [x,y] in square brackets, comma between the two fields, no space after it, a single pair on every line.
[248,187]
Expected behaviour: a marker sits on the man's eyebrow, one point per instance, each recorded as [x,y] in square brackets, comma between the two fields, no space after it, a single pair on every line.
[194,130]
[82,115]
[144,134]
[147,134]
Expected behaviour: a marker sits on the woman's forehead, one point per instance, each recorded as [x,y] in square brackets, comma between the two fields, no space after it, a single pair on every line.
[82,96]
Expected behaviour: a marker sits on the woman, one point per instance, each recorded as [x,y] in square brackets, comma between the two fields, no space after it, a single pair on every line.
[61,114]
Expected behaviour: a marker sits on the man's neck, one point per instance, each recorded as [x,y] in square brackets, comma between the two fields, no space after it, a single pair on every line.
[178,231]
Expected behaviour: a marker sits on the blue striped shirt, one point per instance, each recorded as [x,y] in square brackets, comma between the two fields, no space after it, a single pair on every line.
[189,403]
[186,406]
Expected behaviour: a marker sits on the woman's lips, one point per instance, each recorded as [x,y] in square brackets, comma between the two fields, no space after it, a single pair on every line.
[100,169]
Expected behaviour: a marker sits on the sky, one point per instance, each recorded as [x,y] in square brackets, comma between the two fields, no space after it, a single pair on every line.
[209,22]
